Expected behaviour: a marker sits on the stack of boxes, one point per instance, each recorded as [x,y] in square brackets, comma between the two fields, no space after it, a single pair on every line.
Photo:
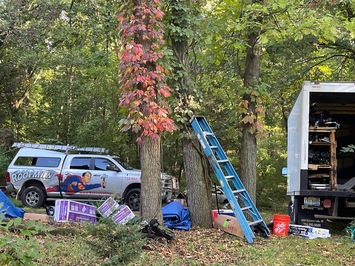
[120,214]
[73,211]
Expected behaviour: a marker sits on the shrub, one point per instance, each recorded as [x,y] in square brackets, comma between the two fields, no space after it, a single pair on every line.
[16,248]
[117,244]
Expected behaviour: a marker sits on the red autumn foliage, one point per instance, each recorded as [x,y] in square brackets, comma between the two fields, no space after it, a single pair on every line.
[143,89]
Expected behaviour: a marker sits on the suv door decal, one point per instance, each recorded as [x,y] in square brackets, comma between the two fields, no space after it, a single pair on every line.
[74,183]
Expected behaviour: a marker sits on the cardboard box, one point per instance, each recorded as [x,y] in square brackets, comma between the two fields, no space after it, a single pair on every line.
[308,231]
[120,214]
[36,217]
[68,210]
[123,215]
[229,224]
[215,213]
[108,207]
[299,230]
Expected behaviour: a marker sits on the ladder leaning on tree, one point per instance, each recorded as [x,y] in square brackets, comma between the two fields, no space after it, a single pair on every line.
[242,205]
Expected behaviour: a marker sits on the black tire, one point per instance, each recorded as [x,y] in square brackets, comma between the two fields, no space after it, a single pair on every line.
[33,197]
[133,199]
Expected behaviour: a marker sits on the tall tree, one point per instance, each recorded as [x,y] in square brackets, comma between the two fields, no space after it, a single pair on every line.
[143,91]
[198,185]
[233,57]
[250,113]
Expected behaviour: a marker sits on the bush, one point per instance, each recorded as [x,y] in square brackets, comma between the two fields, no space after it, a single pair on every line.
[117,244]
[16,246]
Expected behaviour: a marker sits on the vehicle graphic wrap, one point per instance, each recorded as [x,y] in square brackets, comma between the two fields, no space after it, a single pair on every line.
[75,183]
[23,175]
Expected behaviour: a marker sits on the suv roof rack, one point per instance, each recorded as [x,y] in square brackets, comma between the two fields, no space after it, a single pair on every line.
[56,147]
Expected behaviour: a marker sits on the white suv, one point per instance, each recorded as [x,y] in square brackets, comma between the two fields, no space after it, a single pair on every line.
[40,175]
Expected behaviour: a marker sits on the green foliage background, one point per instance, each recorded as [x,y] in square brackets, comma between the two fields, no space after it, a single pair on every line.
[59,82]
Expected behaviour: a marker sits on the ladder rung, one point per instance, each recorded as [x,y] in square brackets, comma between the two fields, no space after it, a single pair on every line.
[255,222]
[223,161]
[229,176]
[246,208]
[214,147]
[238,191]
[206,133]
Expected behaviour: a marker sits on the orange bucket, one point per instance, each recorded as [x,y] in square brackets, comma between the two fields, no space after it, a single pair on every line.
[281,224]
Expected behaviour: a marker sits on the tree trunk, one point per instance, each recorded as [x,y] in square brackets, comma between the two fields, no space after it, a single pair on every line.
[249,144]
[248,162]
[151,186]
[198,184]
[195,166]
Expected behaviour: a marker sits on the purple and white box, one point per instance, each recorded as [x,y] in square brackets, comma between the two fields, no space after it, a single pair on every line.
[108,207]
[73,211]
[123,215]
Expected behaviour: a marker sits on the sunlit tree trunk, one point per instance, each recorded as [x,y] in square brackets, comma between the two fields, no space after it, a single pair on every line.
[151,202]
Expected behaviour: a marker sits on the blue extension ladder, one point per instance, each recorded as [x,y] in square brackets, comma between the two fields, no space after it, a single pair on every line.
[239,199]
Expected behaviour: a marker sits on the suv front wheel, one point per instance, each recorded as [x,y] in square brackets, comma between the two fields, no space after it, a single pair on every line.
[133,199]
[33,197]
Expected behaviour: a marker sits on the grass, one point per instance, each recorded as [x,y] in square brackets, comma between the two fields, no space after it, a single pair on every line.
[222,249]
[202,247]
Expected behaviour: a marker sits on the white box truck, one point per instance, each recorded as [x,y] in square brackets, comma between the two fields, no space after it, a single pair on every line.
[321,158]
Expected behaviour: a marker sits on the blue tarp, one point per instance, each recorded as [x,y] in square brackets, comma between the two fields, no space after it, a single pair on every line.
[175,216]
[8,208]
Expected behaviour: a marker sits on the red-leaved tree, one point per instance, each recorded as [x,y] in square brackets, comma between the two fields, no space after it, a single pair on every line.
[143,93]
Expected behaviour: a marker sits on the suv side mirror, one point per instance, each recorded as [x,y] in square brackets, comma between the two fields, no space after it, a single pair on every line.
[112,168]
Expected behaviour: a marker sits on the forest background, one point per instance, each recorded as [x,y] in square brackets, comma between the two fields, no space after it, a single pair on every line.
[59,74]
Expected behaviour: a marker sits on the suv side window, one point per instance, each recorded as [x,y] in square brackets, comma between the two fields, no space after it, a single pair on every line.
[37,161]
[80,163]
[47,162]
[102,163]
